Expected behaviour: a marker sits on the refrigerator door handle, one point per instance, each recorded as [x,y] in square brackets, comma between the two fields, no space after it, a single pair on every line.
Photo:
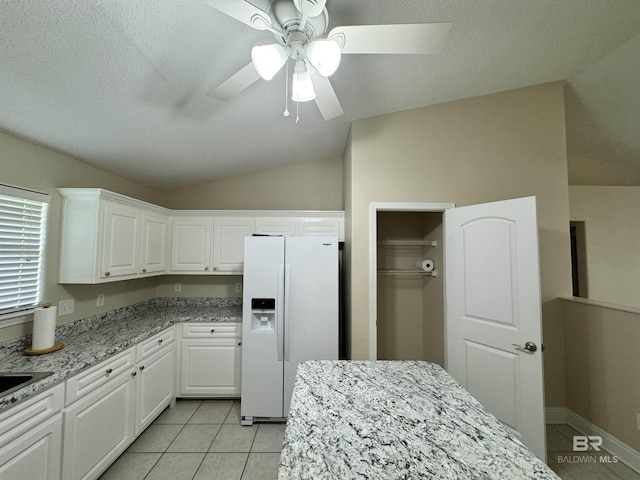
[287,283]
[280,313]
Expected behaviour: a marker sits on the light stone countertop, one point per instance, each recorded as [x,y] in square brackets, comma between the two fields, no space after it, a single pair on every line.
[395,420]
[91,340]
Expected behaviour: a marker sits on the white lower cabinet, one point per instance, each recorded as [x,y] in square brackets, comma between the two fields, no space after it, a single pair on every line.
[155,382]
[119,400]
[210,360]
[31,438]
[98,428]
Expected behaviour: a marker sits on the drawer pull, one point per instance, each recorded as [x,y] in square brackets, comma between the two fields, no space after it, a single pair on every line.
[106,274]
[144,270]
[160,341]
[133,374]
[109,371]
[239,343]
[213,330]
[141,367]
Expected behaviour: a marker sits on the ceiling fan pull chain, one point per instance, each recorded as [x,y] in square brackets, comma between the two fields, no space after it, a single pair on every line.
[286,90]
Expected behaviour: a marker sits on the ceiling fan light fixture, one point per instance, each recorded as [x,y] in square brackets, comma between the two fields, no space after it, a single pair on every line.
[302,87]
[325,56]
[269,59]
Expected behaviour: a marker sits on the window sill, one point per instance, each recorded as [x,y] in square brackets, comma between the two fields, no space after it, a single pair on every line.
[16,318]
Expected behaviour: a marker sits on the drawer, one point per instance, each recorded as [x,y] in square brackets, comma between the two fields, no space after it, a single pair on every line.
[29,414]
[206,330]
[155,343]
[98,375]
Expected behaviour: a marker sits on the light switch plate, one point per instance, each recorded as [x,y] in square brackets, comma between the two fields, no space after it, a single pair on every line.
[178,287]
[100,300]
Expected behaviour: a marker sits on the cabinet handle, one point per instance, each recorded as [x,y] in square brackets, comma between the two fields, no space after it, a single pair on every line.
[144,270]
[109,371]
[141,367]
[106,274]
[239,343]
[213,330]
[215,268]
[206,269]
[133,374]
[160,341]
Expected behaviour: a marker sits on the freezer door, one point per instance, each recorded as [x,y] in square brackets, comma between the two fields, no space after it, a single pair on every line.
[262,327]
[311,298]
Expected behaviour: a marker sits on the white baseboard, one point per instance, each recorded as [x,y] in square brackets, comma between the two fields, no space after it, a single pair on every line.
[556,415]
[626,454]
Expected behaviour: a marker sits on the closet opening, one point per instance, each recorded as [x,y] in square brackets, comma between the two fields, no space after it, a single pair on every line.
[407,304]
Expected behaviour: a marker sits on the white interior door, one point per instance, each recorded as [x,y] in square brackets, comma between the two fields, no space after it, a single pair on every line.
[492,301]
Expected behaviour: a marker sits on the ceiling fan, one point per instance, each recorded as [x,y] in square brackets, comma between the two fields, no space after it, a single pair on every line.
[299,28]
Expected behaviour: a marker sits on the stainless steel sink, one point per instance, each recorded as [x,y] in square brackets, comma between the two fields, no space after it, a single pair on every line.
[12,381]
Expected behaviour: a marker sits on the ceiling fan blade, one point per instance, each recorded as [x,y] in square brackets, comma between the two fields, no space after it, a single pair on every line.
[236,83]
[243,12]
[412,38]
[326,98]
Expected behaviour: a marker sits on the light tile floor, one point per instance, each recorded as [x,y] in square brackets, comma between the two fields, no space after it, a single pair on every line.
[570,465]
[198,440]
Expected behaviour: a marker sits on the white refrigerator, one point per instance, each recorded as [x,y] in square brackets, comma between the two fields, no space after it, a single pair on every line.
[290,314]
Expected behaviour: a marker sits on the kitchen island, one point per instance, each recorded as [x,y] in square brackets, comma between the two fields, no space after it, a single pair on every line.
[395,420]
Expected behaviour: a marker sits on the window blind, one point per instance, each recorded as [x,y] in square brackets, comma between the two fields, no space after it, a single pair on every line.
[23,221]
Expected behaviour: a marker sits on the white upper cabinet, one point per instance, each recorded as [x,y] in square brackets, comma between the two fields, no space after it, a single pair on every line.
[155,239]
[191,244]
[107,237]
[228,243]
[120,241]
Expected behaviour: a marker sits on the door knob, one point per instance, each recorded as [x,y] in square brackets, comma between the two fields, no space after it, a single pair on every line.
[529,347]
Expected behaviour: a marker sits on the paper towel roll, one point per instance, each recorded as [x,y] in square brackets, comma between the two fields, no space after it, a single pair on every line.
[426,265]
[44,328]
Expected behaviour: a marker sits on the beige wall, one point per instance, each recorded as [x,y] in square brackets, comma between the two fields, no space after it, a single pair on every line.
[506,145]
[306,186]
[31,166]
[591,171]
[602,368]
[612,229]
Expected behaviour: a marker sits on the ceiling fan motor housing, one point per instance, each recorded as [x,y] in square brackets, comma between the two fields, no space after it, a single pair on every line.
[285,14]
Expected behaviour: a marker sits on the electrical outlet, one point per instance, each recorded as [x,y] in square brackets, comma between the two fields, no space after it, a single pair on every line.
[66,307]
[178,287]
[100,300]
[238,287]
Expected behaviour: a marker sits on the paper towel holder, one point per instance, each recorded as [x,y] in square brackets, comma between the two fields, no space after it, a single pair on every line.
[55,347]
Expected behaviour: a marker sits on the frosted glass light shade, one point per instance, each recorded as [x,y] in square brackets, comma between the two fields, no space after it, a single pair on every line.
[302,88]
[325,56]
[269,59]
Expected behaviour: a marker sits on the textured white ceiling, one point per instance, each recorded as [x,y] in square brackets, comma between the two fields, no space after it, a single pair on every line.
[121,84]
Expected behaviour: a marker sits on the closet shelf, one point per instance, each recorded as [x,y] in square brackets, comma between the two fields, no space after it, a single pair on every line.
[410,243]
[433,273]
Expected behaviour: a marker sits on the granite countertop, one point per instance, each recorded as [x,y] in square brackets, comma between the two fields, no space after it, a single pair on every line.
[91,340]
[395,420]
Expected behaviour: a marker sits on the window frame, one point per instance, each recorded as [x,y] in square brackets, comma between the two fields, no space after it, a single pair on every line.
[21,314]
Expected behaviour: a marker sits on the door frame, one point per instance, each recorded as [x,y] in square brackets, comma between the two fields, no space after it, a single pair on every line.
[374,208]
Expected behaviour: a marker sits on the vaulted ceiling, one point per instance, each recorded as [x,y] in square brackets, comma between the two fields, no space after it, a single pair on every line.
[121,84]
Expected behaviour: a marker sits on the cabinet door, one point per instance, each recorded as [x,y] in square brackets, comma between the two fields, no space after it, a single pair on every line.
[323,227]
[155,382]
[36,454]
[97,429]
[210,367]
[228,243]
[191,241]
[120,241]
[155,232]
[287,227]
